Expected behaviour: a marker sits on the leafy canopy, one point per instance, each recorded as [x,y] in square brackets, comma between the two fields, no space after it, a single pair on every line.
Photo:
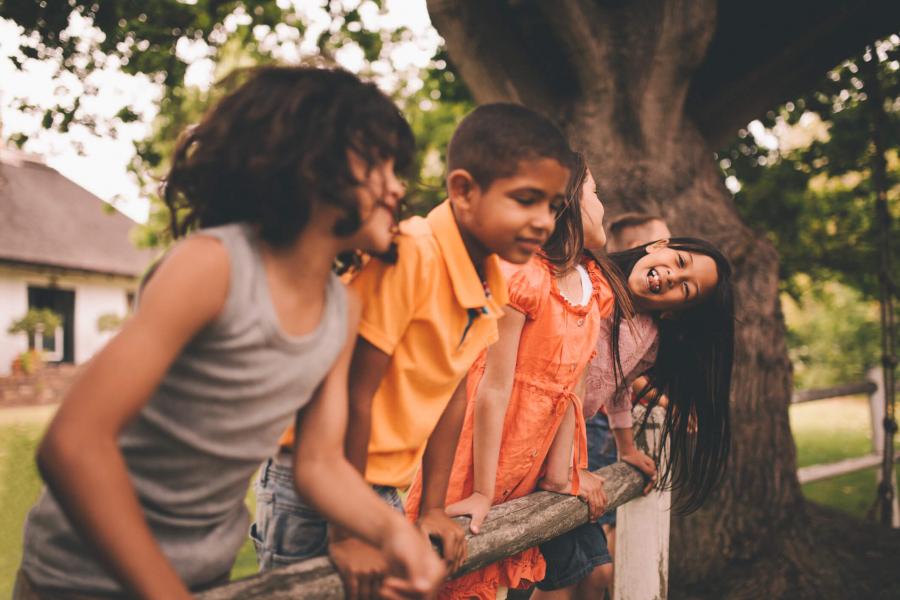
[813,195]
[152,38]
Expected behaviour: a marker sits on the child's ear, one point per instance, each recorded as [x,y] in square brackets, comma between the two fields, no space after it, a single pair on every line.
[461,188]
[656,246]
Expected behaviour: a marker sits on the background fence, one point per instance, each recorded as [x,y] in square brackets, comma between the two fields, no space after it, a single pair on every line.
[874,388]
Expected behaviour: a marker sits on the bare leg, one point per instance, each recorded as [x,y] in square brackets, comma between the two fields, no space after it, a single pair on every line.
[594,585]
[566,593]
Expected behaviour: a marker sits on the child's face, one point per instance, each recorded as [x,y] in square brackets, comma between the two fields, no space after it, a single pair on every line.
[670,279]
[379,196]
[592,215]
[515,215]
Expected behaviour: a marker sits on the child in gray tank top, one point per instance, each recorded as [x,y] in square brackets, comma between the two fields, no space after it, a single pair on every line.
[242,328]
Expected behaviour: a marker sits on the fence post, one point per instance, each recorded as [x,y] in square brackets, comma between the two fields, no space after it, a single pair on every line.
[642,532]
[876,407]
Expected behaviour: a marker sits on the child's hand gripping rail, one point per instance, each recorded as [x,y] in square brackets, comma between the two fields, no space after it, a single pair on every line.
[508,529]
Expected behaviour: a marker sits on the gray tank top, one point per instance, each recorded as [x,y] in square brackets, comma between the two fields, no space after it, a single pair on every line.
[192,450]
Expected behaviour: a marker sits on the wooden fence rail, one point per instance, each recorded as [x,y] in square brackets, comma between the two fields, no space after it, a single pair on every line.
[874,389]
[847,389]
[508,529]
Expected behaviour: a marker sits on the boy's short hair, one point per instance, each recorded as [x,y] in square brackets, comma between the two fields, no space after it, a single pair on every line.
[631,219]
[491,140]
[632,229]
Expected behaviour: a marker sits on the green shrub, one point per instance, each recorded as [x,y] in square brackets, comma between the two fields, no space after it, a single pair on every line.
[36,319]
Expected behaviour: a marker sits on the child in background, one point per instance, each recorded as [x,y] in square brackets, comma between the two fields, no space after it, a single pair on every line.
[522,388]
[633,229]
[626,231]
[240,328]
[681,336]
[426,319]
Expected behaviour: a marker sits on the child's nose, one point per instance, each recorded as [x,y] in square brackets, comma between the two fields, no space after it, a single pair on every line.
[546,219]
[395,191]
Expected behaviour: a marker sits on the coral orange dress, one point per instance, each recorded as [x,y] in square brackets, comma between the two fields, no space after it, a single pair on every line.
[558,339]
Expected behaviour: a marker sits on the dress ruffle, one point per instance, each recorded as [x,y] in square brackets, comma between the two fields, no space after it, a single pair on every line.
[554,349]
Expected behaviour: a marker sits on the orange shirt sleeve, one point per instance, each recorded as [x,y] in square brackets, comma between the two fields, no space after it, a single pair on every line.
[389,293]
[527,288]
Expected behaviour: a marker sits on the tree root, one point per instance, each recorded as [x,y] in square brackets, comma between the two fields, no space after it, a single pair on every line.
[827,554]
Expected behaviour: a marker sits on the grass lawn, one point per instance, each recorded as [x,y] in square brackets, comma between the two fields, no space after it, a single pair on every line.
[20,485]
[825,431]
[831,430]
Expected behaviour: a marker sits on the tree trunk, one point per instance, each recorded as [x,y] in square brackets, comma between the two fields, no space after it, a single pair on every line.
[615,75]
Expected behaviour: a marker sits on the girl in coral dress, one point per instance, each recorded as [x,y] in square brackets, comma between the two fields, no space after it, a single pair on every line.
[520,390]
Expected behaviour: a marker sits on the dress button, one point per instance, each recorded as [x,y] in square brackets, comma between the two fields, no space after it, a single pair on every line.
[534,452]
[580,322]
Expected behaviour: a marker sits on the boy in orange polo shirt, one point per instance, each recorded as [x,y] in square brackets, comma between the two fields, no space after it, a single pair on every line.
[426,318]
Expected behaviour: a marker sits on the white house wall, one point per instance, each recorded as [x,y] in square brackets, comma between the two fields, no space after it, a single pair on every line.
[92,301]
[95,295]
[13,306]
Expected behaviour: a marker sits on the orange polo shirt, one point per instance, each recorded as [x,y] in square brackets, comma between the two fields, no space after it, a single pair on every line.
[430,313]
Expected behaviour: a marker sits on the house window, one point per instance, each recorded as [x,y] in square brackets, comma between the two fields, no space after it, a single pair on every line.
[59,345]
[51,344]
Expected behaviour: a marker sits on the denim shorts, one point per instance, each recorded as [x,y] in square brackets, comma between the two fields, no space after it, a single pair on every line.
[572,556]
[601,447]
[287,529]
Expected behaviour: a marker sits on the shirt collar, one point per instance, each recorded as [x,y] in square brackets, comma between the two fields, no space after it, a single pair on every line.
[467,285]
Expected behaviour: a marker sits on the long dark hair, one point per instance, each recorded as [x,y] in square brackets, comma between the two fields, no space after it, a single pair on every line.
[277,144]
[564,247]
[693,368]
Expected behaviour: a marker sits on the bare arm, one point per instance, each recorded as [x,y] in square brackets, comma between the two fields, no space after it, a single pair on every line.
[437,464]
[368,366]
[652,394]
[630,454]
[80,457]
[558,474]
[320,468]
[491,401]
[439,452]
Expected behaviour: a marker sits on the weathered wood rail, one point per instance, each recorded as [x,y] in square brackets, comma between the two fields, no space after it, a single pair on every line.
[847,389]
[509,528]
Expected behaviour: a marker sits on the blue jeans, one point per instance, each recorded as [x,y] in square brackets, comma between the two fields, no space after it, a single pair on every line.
[287,529]
[601,447]
[573,555]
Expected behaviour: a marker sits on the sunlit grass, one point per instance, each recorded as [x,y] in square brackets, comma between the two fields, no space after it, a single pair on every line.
[19,488]
[828,431]
[20,485]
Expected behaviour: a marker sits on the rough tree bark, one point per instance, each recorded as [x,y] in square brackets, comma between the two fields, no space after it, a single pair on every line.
[617,75]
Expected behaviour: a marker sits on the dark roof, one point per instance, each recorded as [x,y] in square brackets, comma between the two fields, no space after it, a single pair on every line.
[46,219]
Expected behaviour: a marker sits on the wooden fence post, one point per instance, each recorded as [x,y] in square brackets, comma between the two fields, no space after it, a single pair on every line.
[876,407]
[642,532]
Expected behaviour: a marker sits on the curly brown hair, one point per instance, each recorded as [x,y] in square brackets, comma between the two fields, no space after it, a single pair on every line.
[278,144]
